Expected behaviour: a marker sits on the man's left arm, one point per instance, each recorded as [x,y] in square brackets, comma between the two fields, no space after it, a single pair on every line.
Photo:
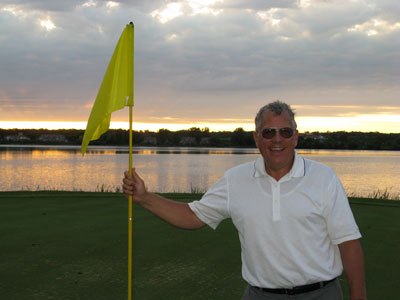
[353,263]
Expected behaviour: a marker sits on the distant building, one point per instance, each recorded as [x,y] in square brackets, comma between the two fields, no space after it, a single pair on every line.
[314,136]
[20,137]
[205,141]
[53,138]
[188,141]
[149,140]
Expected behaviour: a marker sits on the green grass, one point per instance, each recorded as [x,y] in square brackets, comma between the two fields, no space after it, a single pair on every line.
[73,245]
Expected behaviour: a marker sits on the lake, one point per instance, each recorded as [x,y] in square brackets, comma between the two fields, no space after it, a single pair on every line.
[175,169]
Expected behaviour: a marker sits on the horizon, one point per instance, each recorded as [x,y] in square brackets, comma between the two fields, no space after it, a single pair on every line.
[54,126]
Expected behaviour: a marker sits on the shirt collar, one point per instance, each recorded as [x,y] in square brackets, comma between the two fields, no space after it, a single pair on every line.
[297,169]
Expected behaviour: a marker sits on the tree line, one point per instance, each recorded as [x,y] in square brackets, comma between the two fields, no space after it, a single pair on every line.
[197,137]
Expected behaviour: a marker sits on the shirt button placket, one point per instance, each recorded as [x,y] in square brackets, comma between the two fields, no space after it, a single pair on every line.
[276,202]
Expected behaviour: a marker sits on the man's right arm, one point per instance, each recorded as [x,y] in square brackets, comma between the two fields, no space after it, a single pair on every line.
[175,213]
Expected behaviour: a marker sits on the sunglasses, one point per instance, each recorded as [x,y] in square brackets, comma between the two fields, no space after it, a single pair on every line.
[285,132]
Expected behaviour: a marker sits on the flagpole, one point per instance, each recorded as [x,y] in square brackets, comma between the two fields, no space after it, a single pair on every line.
[130,201]
[130,212]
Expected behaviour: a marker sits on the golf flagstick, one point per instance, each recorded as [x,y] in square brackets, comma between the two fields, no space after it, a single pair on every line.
[130,173]
[130,212]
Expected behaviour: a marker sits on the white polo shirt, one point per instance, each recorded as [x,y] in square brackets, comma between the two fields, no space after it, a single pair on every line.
[288,229]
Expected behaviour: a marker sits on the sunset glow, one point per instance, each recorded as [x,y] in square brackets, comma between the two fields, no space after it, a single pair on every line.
[362,123]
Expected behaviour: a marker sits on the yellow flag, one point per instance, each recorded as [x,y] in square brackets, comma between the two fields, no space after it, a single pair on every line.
[116,90]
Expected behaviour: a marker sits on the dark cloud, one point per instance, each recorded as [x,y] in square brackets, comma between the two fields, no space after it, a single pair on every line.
[70,5]
[44,5]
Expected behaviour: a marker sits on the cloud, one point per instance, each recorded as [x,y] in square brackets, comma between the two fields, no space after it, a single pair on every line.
[43,5]
[222,59]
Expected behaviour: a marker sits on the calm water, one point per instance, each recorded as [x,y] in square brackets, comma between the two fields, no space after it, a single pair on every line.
[175,169]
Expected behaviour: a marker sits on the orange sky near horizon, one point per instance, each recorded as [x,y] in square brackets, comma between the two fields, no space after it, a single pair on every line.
[361,123]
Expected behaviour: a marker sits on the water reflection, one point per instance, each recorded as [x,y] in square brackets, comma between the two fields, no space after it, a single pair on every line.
[194,169]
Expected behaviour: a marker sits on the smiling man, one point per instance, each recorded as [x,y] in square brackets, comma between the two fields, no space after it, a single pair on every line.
[296,228]
[276,149]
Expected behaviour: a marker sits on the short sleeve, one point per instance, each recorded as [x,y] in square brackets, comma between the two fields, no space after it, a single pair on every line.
[212,208]
[341,224]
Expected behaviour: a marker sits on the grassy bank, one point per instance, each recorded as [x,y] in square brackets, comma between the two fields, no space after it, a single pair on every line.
[73,245]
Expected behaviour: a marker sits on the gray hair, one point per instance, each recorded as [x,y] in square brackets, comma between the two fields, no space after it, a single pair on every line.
[277,107]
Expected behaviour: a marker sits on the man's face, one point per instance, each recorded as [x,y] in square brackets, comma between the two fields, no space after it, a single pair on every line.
[278,152]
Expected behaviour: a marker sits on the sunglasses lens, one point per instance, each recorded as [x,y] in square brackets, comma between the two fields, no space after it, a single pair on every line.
[268,133]
[286,132]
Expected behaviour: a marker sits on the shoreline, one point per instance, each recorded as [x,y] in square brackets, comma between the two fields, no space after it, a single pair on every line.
[177,196]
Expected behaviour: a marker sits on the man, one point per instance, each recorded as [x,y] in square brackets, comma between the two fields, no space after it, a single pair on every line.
[295,225]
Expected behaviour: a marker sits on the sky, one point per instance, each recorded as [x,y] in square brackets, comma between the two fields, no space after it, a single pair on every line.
[204,63]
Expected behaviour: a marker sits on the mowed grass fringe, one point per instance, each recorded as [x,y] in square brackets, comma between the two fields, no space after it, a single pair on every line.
[104,188]
[380,194]
[73,245]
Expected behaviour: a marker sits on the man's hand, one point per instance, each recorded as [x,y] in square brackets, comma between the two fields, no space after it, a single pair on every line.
[134,186]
